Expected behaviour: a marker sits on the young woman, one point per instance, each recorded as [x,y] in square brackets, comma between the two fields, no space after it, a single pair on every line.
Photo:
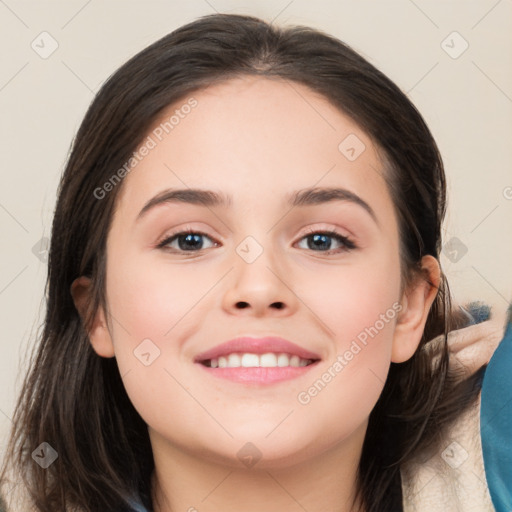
[243,287]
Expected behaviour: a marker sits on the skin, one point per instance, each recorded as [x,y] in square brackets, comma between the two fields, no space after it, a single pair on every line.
[257,140]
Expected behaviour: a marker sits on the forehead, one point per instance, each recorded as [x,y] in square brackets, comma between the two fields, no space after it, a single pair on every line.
[254,138]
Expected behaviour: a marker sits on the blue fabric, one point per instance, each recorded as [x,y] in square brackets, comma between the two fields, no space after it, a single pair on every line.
[478,311]
[139,508]
[135,506]
[496,422]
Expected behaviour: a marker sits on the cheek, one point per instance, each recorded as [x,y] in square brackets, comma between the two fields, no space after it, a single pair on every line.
[155,301]
[358,309]
[156,309]
[353,297]
[345,389]
[153,306]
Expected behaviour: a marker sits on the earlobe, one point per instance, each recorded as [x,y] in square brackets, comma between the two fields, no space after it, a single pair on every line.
[98,332]
[416,303]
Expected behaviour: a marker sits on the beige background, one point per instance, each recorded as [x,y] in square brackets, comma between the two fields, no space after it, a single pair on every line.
[466,98]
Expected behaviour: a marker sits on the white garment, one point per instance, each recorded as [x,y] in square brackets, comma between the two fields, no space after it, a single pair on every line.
[453,478]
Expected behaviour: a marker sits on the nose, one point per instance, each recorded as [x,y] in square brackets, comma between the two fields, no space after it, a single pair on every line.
[261,287]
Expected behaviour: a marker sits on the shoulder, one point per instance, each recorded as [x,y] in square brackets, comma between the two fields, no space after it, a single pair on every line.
[453,478]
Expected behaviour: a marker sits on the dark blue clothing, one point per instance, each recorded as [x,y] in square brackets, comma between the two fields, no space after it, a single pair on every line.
[496,422]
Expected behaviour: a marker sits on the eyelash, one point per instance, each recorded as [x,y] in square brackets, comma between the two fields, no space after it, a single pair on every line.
[347,242]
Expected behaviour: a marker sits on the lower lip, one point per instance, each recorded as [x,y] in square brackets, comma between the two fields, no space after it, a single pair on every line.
[259,375]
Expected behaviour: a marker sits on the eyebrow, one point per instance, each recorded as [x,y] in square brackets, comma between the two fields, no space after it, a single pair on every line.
[212,199]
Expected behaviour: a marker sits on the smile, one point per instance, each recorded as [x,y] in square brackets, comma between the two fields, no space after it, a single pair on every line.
[258,369]
[249,360]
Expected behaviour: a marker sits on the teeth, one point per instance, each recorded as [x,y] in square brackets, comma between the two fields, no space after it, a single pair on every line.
[234,361]
[268,360]
[283,360]
[295,361]
[248,360]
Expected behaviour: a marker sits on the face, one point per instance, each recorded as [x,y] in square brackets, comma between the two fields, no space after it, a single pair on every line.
[258,265]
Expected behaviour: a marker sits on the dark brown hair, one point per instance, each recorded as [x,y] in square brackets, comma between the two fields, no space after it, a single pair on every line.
[75,400]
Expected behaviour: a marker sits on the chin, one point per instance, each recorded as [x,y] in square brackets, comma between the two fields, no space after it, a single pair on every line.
[259,452]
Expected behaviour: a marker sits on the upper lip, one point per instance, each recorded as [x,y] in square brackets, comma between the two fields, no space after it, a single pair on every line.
[255,345]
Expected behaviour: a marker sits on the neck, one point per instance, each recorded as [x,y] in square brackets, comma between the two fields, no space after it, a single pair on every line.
[184,481]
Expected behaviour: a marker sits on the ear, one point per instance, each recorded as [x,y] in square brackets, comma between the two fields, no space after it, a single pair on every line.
[416,302]
[99,334]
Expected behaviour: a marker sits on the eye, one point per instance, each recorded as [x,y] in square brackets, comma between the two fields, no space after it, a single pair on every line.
[323,241]
[191,241]
[187,241]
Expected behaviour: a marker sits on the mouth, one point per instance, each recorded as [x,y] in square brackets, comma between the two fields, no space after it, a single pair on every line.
[250,360]
[257,360]
[257,369]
